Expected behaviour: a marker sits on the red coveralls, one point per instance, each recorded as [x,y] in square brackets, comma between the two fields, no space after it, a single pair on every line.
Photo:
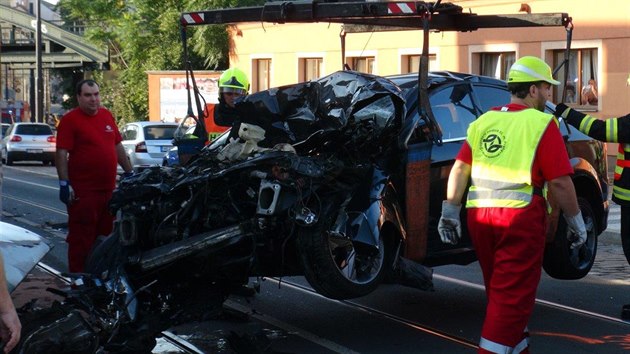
[91,143]
[510,243]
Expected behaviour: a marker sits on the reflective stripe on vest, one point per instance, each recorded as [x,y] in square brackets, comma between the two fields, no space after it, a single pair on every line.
[504,145]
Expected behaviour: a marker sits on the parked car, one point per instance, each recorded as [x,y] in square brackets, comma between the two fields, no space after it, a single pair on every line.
[457,100]
[5,127]
[28,142]
[21,250]
[146,142]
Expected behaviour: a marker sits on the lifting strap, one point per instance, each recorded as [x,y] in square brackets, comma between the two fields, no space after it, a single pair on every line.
[200,129]
[424,106]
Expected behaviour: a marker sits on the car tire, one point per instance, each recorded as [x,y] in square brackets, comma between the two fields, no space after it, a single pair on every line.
[105,255]
[327,259]
[9,159]
[560,261]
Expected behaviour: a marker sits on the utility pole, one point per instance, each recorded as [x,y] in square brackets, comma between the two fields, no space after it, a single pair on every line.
[39,79]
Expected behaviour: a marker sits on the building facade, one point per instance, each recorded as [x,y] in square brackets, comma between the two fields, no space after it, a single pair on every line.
[280,54]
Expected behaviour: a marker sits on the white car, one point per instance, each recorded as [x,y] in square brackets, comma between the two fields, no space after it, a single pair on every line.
[146,142]
[21,250]
[28,142]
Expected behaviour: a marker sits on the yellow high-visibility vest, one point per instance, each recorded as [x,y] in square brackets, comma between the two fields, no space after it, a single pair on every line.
[503,147]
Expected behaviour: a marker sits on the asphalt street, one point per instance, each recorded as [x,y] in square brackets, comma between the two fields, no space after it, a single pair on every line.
[580,316]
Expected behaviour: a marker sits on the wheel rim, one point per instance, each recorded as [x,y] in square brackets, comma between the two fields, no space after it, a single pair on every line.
[359,266]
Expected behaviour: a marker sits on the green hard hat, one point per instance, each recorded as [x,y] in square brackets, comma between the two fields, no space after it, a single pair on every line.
[531,69]
[233,80]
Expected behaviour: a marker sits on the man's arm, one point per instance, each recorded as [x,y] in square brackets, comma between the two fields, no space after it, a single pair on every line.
[10,326]
[61,162]
[123,160]
[457,182]
[563,192]
[612,130]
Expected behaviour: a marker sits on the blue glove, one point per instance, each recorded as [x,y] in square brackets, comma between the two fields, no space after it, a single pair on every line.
[66,193]
[126,175]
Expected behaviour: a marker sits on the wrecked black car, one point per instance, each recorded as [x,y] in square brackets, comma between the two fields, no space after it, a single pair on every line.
[337,179]
[303,191]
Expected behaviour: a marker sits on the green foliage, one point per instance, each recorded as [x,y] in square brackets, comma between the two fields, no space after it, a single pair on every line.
[145,35]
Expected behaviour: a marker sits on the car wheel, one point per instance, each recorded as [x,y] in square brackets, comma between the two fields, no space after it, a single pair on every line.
[561,262]
[9,159]
[105,255]
[337,269]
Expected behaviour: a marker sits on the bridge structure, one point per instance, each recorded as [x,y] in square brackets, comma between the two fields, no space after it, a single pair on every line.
[59,49]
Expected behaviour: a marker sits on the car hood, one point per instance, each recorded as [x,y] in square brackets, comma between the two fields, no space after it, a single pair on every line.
[21,250]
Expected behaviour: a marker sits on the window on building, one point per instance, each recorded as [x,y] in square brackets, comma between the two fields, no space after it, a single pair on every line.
[496,64]
[411,63]
[261,75]
[582,79]
[361,64]
[310,68]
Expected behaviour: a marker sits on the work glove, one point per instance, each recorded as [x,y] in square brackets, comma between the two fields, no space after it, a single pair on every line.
[450,227]
[576,230]
[126,175]
[66,193]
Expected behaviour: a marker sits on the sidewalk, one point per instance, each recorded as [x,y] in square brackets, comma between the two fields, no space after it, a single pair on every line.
[612,233]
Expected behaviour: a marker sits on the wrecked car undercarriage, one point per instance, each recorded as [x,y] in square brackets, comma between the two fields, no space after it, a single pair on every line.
[304,191]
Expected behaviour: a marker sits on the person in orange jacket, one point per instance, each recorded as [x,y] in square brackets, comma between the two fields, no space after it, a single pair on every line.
[233,84]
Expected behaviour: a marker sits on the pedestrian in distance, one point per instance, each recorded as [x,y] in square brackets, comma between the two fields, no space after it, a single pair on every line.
[88,151]
[10,326]
[612,130]
[505,158]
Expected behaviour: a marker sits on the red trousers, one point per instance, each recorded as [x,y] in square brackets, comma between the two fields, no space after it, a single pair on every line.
[510,245]
[88,217]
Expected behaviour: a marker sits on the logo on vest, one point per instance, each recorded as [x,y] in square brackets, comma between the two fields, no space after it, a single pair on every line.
[108,129]
[492,143]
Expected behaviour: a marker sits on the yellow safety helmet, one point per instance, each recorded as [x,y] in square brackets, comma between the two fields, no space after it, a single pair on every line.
[530,69]
[233,80]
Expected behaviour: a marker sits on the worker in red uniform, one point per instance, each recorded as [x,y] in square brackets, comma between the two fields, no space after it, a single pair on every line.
[505,158]
[612,130]
[88,151]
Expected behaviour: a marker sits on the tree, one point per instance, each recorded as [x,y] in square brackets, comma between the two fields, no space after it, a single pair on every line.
[144,35]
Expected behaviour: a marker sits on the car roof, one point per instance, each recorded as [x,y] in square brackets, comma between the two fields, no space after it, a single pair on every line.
[29,123]
[145,123]
[442,77]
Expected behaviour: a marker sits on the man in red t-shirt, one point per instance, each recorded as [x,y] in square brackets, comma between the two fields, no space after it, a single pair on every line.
[88,150]
[507,161]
